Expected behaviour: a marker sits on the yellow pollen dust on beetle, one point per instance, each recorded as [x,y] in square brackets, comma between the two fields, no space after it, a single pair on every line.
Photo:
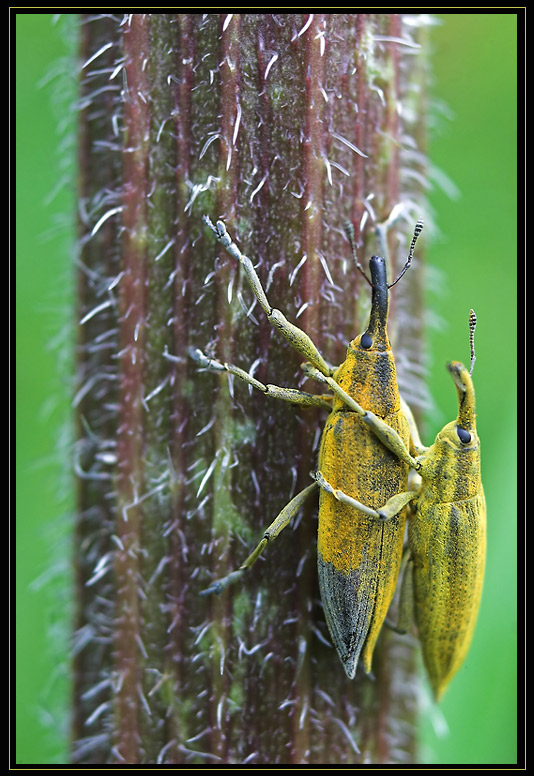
[369,443]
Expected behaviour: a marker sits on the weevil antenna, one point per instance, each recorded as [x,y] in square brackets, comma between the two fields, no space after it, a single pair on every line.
[417,231]
[472,327]
[349,231]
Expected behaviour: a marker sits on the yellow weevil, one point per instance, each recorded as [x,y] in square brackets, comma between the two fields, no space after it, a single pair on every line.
[359,556]
[444,563]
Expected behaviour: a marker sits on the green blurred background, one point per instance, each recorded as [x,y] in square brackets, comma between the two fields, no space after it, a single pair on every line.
[473,147]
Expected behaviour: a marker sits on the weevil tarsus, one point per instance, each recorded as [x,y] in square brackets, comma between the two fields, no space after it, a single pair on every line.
[281,521]
[205,361]
[221,584]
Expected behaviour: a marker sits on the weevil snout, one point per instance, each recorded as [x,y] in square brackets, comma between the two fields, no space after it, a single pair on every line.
[466,395]
[376,333]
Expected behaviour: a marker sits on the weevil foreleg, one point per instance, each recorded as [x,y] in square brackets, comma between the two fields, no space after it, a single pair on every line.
[279,523]
[406,612]
[340,496]
[388,436]
[295,336]
[416,443]
[391,508]
[291,395]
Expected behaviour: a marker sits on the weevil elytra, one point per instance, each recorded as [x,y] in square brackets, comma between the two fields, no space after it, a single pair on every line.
[444,564]
[358,556]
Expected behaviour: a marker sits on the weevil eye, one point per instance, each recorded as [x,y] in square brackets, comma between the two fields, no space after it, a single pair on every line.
[463,435]
[366,341]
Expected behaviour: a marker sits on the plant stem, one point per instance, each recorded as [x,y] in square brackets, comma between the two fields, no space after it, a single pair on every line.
[285,126]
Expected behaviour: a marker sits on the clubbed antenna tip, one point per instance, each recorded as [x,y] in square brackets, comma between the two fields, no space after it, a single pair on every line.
[472,327]
[416,232]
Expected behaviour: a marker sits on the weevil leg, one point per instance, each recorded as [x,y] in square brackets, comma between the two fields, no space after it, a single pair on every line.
[295,336]
[418,446]
[385,433]
[340,496]
[291,395]
[391,508]
[396,503]
[406,613]
[279,523]
[390,439]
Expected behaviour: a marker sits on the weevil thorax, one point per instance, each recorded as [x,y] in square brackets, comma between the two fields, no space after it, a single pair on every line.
[368,371]
[452,464]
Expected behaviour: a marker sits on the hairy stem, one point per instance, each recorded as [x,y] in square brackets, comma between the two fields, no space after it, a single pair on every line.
[285,126]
